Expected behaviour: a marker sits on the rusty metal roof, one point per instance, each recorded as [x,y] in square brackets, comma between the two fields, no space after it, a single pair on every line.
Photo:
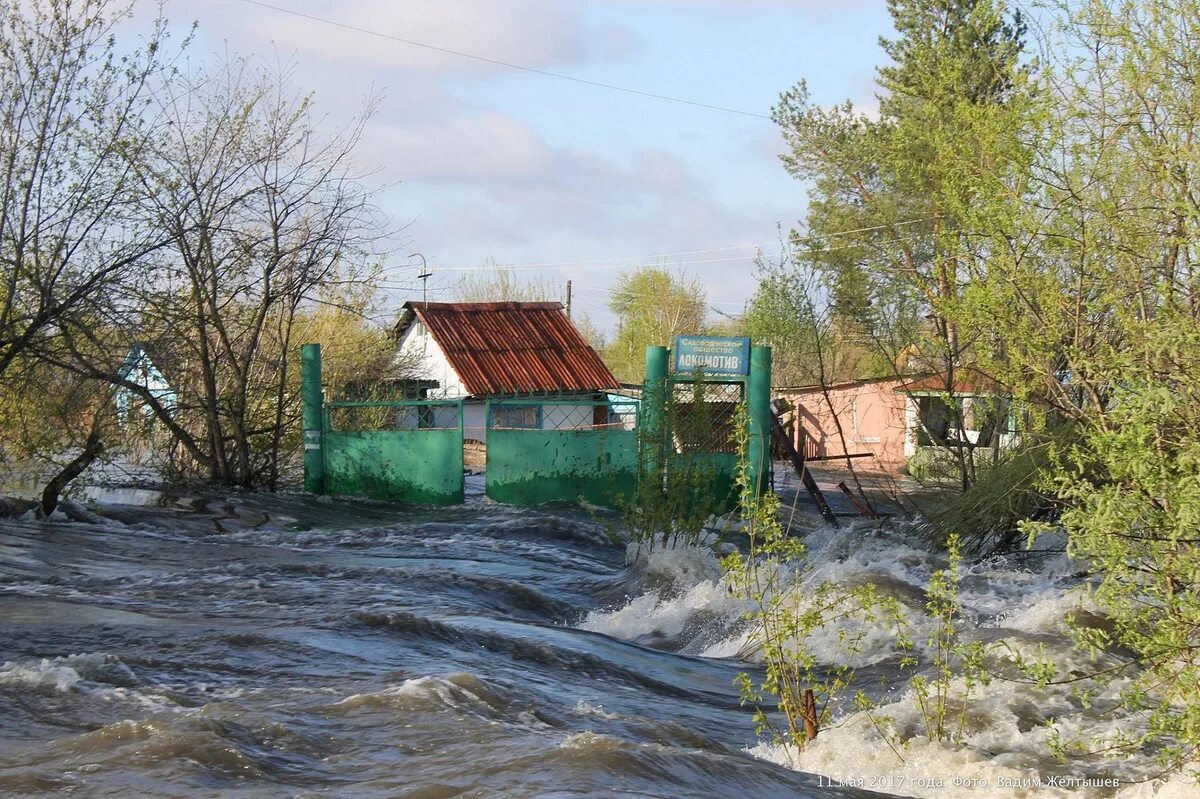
[968,381]
[511,347]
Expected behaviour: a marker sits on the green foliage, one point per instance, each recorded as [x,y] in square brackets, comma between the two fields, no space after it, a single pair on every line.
[773,574]
[1042,218]
[676,495]
[813,342]
[952,658]
[993,509]
[896,200]
[652,306]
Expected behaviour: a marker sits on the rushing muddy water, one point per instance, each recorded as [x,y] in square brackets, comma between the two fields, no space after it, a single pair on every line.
[294,647]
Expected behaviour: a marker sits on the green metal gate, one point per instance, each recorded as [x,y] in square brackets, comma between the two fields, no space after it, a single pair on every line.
[401,450]
[415,454]
[561,449]
[690,420]
[701,430]
[542,448]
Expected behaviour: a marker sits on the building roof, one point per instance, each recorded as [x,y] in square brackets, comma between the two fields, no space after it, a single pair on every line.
[511,347]
[816,388]
[967,382]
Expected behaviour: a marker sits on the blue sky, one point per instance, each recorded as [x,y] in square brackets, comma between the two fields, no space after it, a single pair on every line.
[489,162]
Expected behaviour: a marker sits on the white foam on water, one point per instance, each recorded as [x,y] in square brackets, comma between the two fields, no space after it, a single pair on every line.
[589,741]
[463,693]
[100,675]
[687,581]
[1002,749]
[64,674]
[586,708]
[40,676]
[1181,785]
[1005,746]
[653,614]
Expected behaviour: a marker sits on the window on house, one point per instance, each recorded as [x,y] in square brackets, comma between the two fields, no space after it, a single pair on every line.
[990,417]
[936,421]
[523,417]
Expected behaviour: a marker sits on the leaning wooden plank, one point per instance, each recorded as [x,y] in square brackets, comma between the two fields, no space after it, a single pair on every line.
[810,484]
[840,457]
[859,504]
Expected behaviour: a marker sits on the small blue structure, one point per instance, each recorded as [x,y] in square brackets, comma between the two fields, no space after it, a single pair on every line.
[140,370]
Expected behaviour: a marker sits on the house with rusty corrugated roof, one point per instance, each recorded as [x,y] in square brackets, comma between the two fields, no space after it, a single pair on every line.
[499,350]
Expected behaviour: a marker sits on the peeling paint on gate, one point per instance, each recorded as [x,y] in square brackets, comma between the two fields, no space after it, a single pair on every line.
[530,467]
[419,466]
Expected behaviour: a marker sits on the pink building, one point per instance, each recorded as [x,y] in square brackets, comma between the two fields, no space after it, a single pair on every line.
[871,414]
[886,420]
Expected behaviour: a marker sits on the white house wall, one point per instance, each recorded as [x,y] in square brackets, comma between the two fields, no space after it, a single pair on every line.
[567,417]
[419,356]
[475,420]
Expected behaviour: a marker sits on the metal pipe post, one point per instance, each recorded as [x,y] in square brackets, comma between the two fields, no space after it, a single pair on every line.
[653,411]
[758,401]
[314,418]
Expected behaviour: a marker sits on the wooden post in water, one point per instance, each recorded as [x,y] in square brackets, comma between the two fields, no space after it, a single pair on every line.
[810,715]
[810,484]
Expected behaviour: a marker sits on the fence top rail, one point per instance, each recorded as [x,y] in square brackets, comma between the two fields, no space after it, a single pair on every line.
[729,379]
[589,403]
[395,404]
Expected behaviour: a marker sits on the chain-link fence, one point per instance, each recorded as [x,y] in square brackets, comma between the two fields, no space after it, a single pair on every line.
[702,415]
[563,412]
[392,405]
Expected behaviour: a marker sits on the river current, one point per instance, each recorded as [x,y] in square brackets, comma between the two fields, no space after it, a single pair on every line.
[288,646]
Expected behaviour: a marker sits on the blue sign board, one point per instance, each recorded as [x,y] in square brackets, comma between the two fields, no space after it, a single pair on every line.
[716,355]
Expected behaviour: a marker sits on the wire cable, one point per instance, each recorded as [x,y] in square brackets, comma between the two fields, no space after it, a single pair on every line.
[534,70]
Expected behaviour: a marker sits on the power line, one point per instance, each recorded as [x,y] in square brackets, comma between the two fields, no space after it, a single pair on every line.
[600,262]
[693,262]
[594,264]
[613,291]
[534,70]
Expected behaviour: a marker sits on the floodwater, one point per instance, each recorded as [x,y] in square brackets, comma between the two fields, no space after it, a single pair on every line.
[288,646]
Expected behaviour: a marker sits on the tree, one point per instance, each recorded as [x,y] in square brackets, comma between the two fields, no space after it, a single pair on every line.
[266,222]
[72,134]
[652,306]
[896,200]
[503,284]
[1100,318]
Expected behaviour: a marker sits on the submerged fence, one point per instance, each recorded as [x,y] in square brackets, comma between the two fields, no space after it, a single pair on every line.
[540,448]
[559,449]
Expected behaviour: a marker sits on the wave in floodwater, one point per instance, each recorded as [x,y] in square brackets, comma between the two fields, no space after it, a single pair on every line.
[267,646]
[1005,747]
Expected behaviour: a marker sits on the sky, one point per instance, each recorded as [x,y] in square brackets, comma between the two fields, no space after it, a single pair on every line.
[477,161]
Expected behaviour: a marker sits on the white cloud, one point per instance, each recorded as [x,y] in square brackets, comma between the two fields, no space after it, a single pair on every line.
[521,31]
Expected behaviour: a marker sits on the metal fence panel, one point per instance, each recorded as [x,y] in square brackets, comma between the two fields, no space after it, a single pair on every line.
[701,424]
[561,450]
[396,451]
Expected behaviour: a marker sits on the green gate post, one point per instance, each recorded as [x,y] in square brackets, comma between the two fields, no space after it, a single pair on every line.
[653,410]
[314,418]
[758,400]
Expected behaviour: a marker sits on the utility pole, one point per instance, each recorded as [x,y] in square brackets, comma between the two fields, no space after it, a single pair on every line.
[568,299]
